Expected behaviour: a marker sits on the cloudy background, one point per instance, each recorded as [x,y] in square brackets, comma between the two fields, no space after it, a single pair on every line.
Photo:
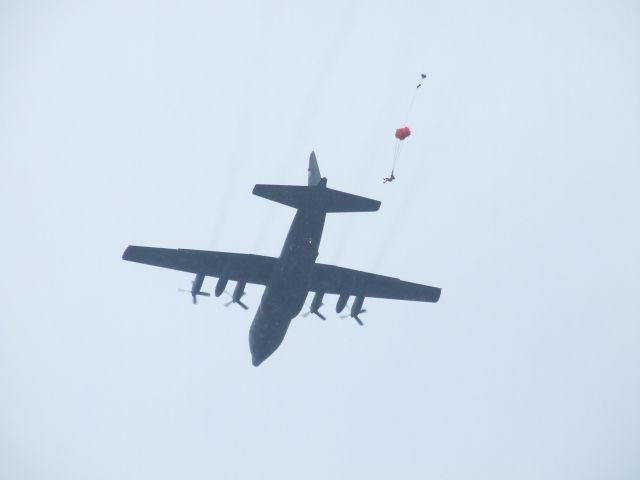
[149,123]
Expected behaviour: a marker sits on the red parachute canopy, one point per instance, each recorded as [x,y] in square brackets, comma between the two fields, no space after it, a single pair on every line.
[402,133]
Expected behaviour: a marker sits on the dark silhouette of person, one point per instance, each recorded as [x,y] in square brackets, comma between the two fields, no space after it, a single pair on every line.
[389,179]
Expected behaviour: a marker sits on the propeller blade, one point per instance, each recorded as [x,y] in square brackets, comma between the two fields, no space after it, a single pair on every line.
[194,300]
[243,305]
[346,315]
[317,312]
[230,302]
[184,290]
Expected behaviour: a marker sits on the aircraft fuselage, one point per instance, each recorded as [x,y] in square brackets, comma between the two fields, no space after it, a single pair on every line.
[287,290]
[289,278]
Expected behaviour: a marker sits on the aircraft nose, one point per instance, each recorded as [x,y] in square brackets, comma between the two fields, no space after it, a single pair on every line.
[256,360]
[259,356]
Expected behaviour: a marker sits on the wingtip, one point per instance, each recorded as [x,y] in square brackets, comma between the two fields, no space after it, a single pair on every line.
[437,297]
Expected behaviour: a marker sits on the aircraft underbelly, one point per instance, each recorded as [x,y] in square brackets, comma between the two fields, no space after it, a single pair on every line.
[281,302]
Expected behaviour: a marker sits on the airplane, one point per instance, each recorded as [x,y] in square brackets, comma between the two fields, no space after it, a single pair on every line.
[290,277]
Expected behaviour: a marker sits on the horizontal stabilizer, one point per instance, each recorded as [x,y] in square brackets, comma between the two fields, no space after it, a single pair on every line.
[316,198]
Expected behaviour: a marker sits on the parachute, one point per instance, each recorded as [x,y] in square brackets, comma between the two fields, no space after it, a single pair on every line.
[402,133]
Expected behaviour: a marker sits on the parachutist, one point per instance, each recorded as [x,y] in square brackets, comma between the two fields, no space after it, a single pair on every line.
[403,132]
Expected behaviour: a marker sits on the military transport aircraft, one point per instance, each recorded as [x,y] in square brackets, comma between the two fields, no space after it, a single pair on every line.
[290,277]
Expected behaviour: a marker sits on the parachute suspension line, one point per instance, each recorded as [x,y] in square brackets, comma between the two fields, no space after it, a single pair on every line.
[396,154]
[396,151]
[413,100]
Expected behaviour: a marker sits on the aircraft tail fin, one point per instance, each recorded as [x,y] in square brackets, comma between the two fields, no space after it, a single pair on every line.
[318,197]
[314,171]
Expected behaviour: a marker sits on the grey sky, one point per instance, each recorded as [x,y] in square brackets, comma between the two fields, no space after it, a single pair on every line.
[517,194]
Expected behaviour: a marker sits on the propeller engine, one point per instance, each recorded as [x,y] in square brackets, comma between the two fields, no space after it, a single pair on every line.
[196,285]
[220,286]
[356,310]
[342,302]
[316,303]
[238,293]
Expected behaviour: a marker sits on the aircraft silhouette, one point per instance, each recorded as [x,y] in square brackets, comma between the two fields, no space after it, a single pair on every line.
[290,277]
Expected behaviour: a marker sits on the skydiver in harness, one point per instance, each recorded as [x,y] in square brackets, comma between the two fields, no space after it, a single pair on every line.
[403,132]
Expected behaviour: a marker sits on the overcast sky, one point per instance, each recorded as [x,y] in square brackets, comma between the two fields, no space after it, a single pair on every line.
[149,123]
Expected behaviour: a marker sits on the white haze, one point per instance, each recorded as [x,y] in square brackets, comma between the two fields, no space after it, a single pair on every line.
[148,123]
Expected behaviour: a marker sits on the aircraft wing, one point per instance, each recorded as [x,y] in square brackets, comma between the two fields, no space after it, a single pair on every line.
[232,266]
[339,281]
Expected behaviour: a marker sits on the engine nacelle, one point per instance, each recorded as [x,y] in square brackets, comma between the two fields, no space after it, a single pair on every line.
[197,284]
[316,303]
[238,292]
[196,287]
[356,308]
[220,286]
[342,302]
